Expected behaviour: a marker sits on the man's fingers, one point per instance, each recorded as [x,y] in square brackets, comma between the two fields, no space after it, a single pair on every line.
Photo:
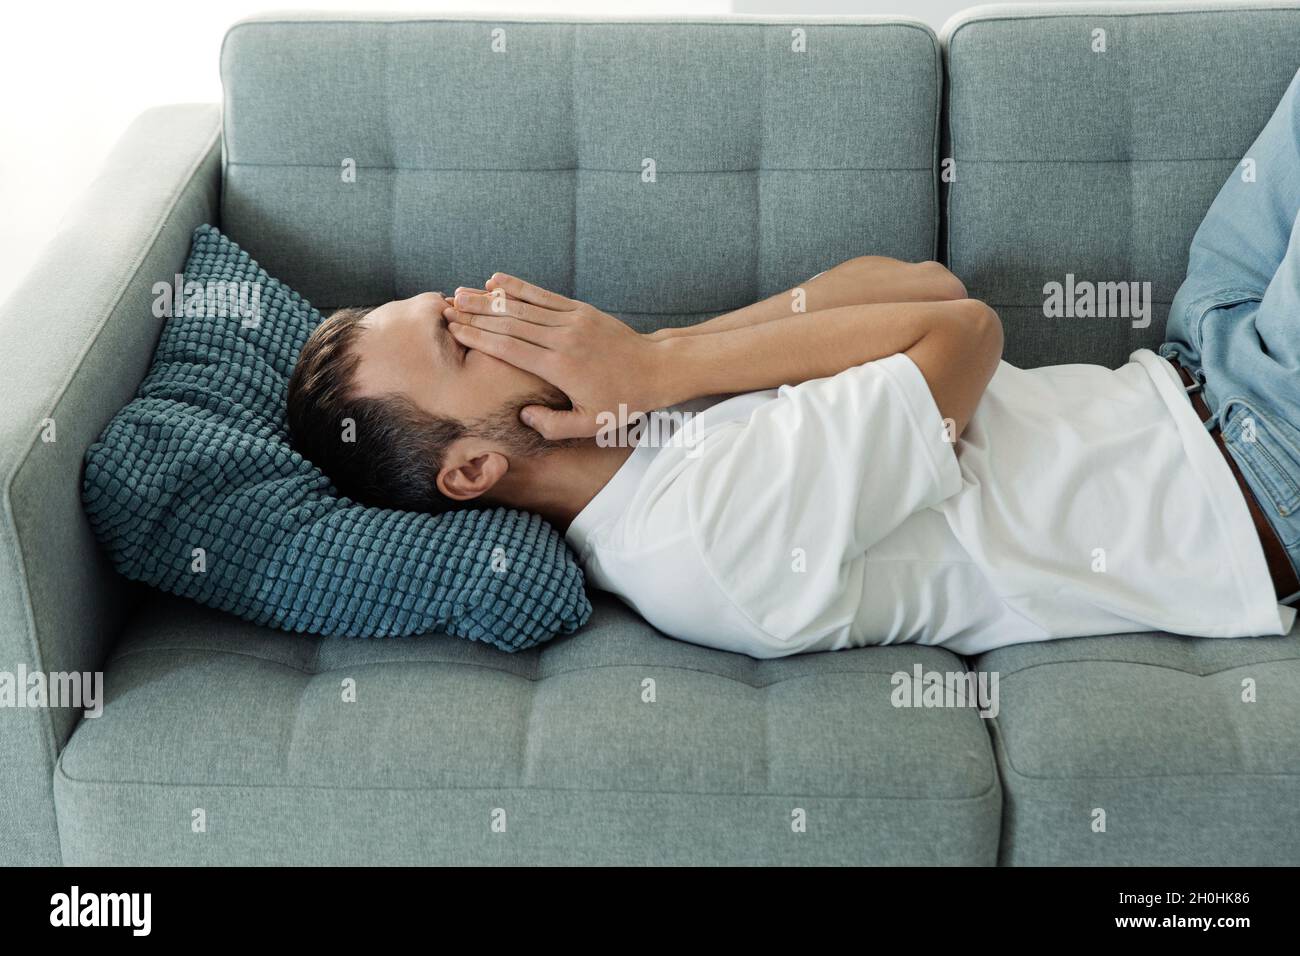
[485,303]
[490,303]
[517,288]
[558,425]
[504,325]
[520,354]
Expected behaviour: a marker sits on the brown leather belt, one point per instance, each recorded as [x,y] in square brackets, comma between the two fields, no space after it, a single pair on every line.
[1285,583]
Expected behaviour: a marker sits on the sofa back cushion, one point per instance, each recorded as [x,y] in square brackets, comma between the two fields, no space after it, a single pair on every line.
[661,170]
[1090,143]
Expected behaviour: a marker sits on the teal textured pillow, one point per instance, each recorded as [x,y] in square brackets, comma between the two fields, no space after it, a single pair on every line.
[194,488]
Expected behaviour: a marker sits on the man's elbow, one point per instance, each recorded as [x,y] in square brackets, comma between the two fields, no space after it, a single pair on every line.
[942,283]
[983,328]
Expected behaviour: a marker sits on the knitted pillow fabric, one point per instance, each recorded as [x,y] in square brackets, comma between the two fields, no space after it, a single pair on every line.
[194,488]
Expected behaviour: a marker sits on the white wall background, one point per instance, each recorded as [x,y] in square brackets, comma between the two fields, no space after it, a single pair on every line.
[73,73]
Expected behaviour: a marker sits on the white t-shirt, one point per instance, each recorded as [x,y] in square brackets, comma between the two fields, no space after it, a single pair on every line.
[831,514]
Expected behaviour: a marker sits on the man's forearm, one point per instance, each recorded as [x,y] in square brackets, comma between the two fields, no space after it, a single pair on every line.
[956,344]
[860,281]
[805,346]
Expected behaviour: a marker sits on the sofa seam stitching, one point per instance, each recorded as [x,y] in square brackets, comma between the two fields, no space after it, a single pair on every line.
[89,782]
[1168,667]
[544,676]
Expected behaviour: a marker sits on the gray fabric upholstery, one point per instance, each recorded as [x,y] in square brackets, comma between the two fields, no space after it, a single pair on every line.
[1098,164]
[1153,730]
[75,339]
[251,726]
[771,165]
[1103,165]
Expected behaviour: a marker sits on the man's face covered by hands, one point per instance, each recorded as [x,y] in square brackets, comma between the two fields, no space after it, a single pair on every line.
[405,348]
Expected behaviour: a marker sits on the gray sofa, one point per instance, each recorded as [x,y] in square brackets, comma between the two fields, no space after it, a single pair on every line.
[525,149]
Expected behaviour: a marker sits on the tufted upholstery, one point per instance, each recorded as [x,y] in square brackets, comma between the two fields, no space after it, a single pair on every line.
[252,727]
[770,165]
[1156,731]
[1097,164]
[1103,165]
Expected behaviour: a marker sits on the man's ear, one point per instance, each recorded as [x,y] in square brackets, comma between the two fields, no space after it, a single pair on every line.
[470,472]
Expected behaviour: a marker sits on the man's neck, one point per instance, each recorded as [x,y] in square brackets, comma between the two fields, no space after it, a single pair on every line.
[559,484]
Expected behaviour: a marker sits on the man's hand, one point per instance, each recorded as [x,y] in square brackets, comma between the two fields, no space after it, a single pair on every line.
[596,360]
[600,363]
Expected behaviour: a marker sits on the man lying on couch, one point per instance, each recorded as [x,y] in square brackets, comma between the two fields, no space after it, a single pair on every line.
[878,474]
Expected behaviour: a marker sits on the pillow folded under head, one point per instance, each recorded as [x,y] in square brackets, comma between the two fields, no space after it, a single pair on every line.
[194,488]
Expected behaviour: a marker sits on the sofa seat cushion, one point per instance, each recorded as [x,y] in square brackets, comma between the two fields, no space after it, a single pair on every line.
[615,745]
[1159,734]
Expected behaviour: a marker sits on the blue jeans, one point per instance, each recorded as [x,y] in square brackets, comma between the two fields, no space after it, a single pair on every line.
[1235,322]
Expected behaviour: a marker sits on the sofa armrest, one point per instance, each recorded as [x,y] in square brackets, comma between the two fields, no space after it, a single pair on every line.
[76,338]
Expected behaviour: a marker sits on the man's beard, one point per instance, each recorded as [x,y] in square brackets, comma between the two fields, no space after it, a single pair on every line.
[504,425]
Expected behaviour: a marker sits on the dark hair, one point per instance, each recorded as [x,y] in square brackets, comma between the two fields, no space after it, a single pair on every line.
[384,451]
